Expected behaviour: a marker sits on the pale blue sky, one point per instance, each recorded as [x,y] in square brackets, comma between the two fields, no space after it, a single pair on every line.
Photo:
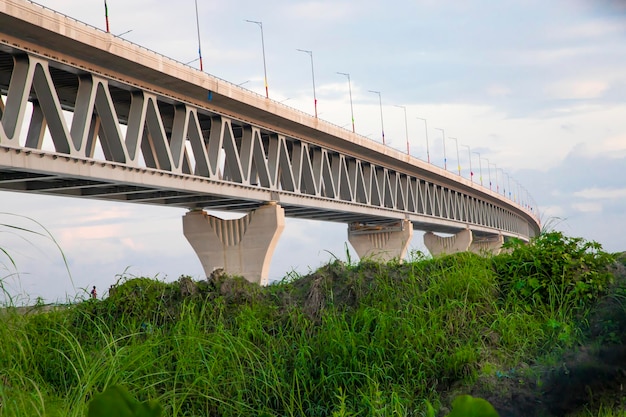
[536,87]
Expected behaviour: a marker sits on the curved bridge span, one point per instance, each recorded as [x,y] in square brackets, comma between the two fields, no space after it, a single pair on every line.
[86,114]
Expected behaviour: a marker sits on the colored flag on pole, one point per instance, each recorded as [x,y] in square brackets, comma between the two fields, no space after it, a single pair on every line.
[106,15]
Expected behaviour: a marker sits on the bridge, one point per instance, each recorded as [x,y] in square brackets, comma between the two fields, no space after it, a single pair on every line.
[84,113]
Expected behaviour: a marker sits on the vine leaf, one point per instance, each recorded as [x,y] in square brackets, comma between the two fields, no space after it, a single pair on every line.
[116,401]
[468,406]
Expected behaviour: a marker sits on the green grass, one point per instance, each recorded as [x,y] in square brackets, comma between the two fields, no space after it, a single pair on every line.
[349,339]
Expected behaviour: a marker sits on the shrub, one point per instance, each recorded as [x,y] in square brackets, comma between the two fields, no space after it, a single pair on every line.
[554,268]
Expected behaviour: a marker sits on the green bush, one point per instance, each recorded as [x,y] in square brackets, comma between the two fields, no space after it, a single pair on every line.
[554,268]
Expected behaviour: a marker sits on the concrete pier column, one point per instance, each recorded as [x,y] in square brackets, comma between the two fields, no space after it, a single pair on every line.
[438,245]
[242,246]
[381,243]
[487,245]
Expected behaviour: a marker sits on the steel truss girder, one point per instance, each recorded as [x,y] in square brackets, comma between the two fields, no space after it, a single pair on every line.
[144,130]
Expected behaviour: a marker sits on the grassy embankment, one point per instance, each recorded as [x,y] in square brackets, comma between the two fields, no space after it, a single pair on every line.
[350,339]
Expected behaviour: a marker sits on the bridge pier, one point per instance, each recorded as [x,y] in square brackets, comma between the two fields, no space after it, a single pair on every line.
[381,243]
[439,245]
[489,244]
[462,242]
[241,246]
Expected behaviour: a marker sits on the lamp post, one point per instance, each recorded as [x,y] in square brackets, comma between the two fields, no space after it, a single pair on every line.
[260,24]
[489,170]
[427,145]
[313,76]
[106,15]
[458,161]
[380,102]
[480,167]
[525,198]
[350,92]
[198,28]
[445,160]
[469,156]
[406,129]
[495,167]
[508,180]
[503,185]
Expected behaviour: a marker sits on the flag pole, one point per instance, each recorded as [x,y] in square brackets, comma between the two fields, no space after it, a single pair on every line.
[106,15]
[198,27]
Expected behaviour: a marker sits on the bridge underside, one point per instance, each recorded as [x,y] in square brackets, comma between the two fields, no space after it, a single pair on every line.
[204,194]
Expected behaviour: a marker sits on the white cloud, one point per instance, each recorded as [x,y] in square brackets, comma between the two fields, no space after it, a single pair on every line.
[587,207]
[549,212]
[593,29]
[132,244]
[82,233]
[543,56]
[498,90]
[320,10]
[577,89]
[601,193]
[615,146]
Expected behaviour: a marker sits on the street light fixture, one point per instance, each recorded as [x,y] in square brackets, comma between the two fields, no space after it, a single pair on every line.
[260,24]
[489,170]
[469,156]
[445,159]
[198,29]
[406,129]
[427,145]
[313,76]
[503,184]
[458,161]
[508,180]
[380,102]
[349,91]
[106,15]
[525,198]
[495,167]
[480,167]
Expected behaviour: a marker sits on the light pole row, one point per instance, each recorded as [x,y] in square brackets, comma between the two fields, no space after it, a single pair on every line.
[310,53]
[521,196]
